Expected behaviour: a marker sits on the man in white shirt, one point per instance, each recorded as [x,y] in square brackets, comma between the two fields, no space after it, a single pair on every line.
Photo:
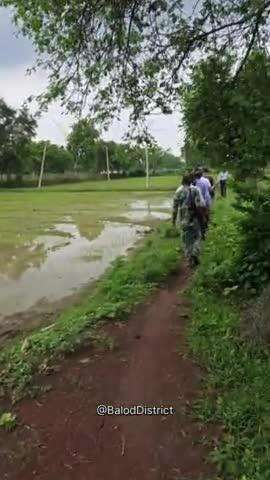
[222,178]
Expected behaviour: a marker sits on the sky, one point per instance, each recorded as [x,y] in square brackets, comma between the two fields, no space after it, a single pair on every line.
[17,55]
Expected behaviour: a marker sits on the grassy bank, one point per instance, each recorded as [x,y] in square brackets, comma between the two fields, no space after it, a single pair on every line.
[237,393]
[126,284]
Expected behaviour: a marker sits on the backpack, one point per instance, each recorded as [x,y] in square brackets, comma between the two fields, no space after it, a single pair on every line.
[194,211]
[191,205]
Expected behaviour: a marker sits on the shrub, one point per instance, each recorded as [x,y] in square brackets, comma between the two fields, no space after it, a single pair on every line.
[253,269]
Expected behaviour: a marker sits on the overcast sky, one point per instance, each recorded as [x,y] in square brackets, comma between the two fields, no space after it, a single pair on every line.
[17,54]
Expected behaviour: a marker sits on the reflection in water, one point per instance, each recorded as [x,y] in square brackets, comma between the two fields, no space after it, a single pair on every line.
[152,205]
[142,210]
[65,257]
[68,266]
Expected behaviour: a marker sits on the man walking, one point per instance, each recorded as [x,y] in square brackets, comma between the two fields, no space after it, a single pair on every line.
[189,204]
[204,186]
[223,178]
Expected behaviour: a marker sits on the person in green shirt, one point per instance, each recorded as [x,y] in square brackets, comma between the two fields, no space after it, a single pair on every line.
[189,207]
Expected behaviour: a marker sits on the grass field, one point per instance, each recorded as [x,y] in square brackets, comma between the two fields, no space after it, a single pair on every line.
[166,182]
[28,213]
[162,183]
[55,241]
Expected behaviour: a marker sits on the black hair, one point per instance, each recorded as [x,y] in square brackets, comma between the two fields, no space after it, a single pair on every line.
[187,179]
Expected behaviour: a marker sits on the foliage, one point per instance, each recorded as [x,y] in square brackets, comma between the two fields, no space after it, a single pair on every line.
[205,107]
[125,158]
[253,271]
[85,152]
[126,284]
[221,252]
[237,392]
[8,421]
[250,105]
[16,131]
[227,122]
[58,158]
[81,142]
[193,156]
[129,53]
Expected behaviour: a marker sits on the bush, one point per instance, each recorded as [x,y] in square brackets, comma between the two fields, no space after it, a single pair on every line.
[221,251]
[253,270]
[237,389]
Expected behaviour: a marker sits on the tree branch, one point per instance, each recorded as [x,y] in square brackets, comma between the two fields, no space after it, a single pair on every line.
[250,45]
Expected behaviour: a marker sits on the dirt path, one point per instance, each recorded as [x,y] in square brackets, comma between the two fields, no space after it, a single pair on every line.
[63,438]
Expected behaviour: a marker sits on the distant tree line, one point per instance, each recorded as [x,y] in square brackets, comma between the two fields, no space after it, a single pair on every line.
[85,152]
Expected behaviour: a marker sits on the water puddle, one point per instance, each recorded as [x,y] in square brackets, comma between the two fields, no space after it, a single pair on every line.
[143,210]
[65,257]
[68,265]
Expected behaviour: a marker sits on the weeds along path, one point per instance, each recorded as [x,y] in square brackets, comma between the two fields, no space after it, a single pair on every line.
[62,437]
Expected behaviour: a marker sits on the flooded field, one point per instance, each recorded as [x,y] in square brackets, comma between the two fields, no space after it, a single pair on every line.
[54,244]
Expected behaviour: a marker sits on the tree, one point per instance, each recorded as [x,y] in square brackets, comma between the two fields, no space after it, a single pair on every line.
[131,53]
[207,111]
[192,156]
[17,128]
[58,158]
[229,124]
[162,159]
[82,142]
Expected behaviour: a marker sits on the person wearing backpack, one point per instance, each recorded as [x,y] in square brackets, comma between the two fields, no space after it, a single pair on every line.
[189,205]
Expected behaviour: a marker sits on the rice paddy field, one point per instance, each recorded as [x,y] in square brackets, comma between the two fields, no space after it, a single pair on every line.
[57,241]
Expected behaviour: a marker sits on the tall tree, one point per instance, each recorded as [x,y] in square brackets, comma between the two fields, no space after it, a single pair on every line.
[17,128]
[81,142]
[229,124]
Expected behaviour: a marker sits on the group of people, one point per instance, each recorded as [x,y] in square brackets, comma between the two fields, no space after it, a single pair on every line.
[192,203]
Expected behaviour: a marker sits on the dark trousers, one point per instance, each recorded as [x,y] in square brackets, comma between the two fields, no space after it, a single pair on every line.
[223,188]
[204,222]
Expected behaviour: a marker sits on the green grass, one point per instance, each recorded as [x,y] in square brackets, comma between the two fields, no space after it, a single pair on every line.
[160,183]
[8,421]
[237,393]
[126,284]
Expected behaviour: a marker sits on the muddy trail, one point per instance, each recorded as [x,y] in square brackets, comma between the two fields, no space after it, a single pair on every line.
[61,437]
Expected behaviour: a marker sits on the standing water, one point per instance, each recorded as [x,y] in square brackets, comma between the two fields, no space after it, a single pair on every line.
[40,274]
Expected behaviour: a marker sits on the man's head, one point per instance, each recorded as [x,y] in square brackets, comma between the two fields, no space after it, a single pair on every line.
[187,179]
[198,173]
